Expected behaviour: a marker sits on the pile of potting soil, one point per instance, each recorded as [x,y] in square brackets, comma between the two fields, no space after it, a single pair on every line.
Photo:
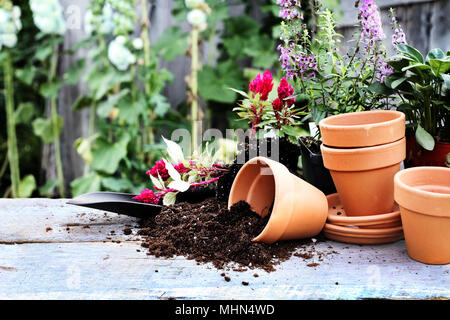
[209,232]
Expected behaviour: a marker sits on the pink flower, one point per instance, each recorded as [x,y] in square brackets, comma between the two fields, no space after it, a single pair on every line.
[159,168]
[277,105]
[286,90]
[181,168]
[148,196]
[262,85]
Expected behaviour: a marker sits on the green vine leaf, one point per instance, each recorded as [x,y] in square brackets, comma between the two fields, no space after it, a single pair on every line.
[106,155]
[424,139]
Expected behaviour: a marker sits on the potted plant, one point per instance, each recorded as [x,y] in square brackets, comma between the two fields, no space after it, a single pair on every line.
[176,178]
[421,87]
[330,82]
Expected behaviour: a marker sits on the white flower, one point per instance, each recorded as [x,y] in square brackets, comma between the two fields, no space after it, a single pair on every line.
[9,26]
[192,4]
[9,39]
[107,19]
[196,18]
[4,16]
[48,16]
[119,55]
[88,22]
[138,44]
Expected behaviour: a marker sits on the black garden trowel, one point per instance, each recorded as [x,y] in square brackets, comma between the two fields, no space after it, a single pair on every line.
[121,203]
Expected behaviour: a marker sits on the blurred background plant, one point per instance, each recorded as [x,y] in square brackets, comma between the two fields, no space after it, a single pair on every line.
[113,90]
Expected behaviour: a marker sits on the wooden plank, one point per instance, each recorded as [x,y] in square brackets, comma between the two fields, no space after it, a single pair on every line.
[28,220]
[118,271]
[440,26]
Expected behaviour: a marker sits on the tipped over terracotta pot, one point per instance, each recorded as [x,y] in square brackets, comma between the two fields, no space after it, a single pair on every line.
[423,194]
[299,210]
[364,177]
[362,129]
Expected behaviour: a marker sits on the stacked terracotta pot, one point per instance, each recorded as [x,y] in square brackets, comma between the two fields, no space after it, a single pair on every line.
[363,151]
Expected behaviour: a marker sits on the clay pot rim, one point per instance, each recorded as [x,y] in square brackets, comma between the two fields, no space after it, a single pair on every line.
[395,151]
[324,122]
[362,232]
[402,189]
[333,199]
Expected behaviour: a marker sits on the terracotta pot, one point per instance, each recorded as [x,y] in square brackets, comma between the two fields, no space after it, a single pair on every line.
[417,156]
[337,216]
[364,177]
[363,129]
[299,209]
[423,194]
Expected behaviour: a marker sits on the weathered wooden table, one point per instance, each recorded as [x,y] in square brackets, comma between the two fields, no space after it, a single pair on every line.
[51,250]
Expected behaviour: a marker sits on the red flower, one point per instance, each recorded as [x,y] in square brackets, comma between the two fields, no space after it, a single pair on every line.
[285,89]
[159,168]
[277,104]
[148,196]
[181,168]
[262,85]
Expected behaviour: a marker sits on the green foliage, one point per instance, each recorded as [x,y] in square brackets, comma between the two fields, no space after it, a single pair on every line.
[422,85]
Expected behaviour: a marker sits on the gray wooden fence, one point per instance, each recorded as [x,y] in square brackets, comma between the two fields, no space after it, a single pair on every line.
[425,22]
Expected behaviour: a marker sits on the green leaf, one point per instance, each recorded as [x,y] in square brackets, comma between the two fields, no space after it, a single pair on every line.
[417,67]
[289,130]
[24,113]
[50,89]
[397,82]
[26,75]
[74,72]
[157,182]
[27,186]
[424,139]
[43,52]
[83,147]
[104,108]
[129,111]
[82,102]
[117,185]
[435,54]
[399,64]
[242,93]
[440,66]
[169,198]
[43,128]
[47,189]
[214,82]
[411,52]
[107,155]
[161,104]
[86,184]
[171,44]
[379,88]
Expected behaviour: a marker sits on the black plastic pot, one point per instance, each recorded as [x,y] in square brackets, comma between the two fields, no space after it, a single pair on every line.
[314,171]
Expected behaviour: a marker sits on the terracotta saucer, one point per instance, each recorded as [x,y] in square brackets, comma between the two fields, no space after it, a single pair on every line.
[355,231]
[337,216]
[363,239]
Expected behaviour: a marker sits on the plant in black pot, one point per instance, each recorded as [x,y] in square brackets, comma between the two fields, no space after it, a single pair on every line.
[331,82]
